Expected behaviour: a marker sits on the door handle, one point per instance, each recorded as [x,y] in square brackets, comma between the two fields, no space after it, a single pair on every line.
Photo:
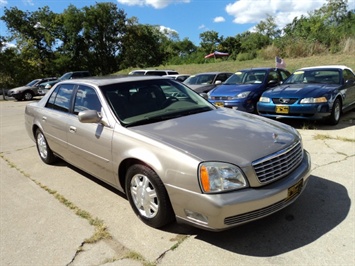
[72,129]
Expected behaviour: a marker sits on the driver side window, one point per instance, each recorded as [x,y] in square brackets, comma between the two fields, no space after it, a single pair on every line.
[86,99]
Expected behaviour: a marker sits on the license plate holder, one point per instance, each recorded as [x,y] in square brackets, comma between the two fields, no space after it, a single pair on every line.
[294,190]
[282,109]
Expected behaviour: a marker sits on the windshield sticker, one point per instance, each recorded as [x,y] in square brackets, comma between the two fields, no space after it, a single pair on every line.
[299,72]
[238,73]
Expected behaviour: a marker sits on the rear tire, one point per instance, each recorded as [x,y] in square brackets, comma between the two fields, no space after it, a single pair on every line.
[148,197]
[334,118]
[45,153]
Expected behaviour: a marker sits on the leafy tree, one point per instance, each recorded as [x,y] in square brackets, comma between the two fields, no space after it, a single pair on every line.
[103,30]
[210,41]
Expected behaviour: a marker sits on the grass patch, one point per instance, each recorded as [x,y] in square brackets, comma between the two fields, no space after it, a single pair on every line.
[325,137]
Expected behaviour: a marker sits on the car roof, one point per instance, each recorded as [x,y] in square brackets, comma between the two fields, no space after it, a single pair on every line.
[261,68]
[326,66]
[204,73]
[108,80]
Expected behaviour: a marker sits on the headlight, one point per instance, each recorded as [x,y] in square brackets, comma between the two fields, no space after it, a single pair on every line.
[219,177]
[314,100]
[264,99]
[242,95]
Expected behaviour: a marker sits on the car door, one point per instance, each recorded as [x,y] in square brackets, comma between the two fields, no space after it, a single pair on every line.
[89,144]
[349,86]
[55,117]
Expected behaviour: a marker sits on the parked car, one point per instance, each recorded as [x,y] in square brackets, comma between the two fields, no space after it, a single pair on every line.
[204,82]
[178,77]
[28,91]
[45,86]
[320,92]
[243,89]
[173,153]
[152,72]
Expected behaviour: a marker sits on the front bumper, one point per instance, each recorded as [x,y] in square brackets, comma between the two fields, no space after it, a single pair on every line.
[226,210]
[300,111]
[241,105]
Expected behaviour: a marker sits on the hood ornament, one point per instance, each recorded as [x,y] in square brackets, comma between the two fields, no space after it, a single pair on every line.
[275,137]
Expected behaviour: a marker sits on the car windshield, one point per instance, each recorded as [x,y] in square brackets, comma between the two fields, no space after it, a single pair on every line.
[149,101]
[246,77]
[200,79]
[65,76]
[32,83]
[325,76]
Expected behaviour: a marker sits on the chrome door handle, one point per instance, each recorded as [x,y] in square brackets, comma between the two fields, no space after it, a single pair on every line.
[72,129]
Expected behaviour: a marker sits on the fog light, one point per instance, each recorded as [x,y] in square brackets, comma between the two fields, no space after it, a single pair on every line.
[198,217]
[235,108]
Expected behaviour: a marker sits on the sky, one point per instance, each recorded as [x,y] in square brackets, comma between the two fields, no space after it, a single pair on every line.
[189,18]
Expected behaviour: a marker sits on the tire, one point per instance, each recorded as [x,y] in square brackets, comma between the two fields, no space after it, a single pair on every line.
[148,197]
[336,112]
[27,95]
[45,153]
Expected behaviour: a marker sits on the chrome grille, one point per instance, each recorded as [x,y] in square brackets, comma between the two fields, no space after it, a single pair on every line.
[278,165]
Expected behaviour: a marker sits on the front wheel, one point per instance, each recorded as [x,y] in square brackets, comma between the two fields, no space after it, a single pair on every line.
[148,197]
[43,149]
[336,112]
[28,95]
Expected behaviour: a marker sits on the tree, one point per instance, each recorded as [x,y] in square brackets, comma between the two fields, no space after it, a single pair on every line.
[209,41]
[104,28]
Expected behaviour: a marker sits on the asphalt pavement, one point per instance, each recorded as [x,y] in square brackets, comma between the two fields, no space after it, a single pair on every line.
[58,215]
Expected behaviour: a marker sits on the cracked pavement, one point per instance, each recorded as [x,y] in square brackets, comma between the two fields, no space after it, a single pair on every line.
[37,229]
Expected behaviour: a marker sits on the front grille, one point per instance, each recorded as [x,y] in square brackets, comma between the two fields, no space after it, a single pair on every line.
[282,101]
[250,216]
[279,164]
[220,98]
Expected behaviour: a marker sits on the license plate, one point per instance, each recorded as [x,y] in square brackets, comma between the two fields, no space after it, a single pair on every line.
[295,190]
[282,109]
[220,104]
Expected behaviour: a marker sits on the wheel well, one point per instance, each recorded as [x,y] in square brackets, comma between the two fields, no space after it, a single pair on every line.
[341,103]
[123,168]
[30,91]
[34,129]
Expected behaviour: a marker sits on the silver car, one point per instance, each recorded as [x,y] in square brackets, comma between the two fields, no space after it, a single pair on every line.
[176,156]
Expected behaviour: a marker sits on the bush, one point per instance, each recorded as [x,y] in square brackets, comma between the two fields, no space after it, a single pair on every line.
[246,56]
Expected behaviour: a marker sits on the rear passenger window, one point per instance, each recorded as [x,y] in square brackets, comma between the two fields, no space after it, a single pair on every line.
[60,98]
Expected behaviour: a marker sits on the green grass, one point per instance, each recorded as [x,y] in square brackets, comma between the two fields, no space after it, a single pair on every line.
[232,66]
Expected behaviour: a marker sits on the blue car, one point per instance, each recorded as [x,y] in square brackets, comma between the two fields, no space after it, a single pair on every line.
[322,92]
[242,90]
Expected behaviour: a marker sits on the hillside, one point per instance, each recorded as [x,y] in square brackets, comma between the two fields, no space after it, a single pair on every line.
[291,63]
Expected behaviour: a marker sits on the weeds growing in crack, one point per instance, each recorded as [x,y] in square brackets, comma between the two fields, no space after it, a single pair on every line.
[101,231]
[325,137]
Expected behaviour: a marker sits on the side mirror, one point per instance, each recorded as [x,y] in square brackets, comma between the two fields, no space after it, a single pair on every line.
[217,82]
[89,116]
[204,95]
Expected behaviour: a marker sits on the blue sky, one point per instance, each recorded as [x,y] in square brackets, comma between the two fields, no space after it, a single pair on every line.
[189,18]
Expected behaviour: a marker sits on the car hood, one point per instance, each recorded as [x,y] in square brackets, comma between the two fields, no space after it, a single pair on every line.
[22,88]
[222,134]
[300,90]
[233,89]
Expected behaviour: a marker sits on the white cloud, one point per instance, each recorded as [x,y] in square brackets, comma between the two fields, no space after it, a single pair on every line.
[3,2]
[284,11]
[158,4]
[219,19]
[167,31]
